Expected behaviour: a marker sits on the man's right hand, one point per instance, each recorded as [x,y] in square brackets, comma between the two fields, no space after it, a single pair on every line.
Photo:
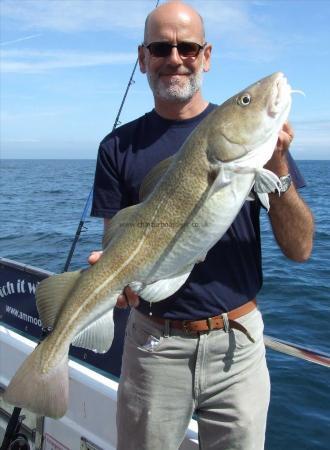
[128,297]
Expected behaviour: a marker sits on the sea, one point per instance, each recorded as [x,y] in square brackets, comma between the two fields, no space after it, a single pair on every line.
[41,205]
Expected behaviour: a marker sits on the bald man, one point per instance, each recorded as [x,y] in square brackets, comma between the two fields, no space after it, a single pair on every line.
[167,372]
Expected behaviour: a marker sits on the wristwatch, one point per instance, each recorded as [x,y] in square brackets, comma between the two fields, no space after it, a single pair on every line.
[286,181]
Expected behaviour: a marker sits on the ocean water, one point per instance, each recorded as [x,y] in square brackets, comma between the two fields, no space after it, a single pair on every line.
[41,202]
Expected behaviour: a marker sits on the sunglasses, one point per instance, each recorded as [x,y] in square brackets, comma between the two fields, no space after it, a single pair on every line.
[164,49]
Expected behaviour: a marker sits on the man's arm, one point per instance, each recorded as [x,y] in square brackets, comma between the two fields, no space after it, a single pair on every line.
[291,219]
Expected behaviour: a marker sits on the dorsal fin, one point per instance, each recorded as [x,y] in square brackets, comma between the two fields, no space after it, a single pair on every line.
[120,220]
[51,294]
[151,179]
[123,217]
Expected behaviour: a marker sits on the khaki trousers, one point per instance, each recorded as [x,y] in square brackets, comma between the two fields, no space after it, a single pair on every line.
[167,375]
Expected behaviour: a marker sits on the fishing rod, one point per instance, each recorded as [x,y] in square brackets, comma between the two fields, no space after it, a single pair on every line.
[90,196]
[78,232]
[297,351]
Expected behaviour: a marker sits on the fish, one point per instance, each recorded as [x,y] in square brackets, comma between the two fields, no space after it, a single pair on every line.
[188,201]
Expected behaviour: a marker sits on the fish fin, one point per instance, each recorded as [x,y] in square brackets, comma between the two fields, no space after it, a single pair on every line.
[161,289]
[266,182]
[264,200]
[121,220]
[222,179]
[45,394]
[97,336]
[51,294]
[151,179]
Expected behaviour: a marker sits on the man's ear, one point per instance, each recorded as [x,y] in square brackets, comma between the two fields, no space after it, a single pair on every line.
[142,57]
[207,58]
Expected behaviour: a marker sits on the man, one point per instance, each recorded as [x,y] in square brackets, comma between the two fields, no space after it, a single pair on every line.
[167,372]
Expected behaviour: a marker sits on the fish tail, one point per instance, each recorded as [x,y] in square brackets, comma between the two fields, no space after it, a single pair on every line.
[42,392]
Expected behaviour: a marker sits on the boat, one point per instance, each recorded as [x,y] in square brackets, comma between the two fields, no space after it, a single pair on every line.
[90,422]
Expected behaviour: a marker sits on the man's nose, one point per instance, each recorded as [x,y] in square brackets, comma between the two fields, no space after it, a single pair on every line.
[174,57]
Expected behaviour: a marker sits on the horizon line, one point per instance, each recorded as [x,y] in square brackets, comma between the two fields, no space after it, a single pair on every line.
[94,159]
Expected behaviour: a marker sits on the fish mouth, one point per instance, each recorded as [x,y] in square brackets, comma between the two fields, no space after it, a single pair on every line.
[281,96]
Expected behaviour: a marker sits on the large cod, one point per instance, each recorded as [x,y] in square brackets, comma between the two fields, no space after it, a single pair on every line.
[187,203]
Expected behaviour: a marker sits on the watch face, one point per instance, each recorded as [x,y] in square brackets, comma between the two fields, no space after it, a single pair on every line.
[286,182]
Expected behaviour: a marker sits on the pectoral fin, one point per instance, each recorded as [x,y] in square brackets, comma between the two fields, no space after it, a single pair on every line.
[51,294]
[161,289]
[264,200]
[223,178]
[266,182]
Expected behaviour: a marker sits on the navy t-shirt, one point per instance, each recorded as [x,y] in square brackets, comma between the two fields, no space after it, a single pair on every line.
[231,273]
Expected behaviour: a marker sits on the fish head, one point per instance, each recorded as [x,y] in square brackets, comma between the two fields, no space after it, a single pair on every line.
[250,119]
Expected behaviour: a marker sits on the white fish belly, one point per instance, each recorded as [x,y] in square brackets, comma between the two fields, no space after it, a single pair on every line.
[205,228]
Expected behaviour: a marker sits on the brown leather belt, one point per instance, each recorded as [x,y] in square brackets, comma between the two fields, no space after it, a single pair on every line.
[212,323]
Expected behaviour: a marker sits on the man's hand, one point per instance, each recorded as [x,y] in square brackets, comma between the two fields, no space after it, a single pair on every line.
[94,257]
[128,297]
[278,162]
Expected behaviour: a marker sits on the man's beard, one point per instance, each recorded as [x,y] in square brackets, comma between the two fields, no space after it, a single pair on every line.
[175,91]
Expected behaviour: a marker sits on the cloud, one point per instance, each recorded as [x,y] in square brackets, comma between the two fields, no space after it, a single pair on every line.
[15,41]
[220,17]
[38,61]
[233,25]
[236,30]
[77,15]
[21,141]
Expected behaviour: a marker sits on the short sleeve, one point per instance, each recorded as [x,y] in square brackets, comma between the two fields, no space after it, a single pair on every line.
[108,192]
[297,177]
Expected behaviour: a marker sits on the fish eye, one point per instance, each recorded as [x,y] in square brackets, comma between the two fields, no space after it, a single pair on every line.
[244,100]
